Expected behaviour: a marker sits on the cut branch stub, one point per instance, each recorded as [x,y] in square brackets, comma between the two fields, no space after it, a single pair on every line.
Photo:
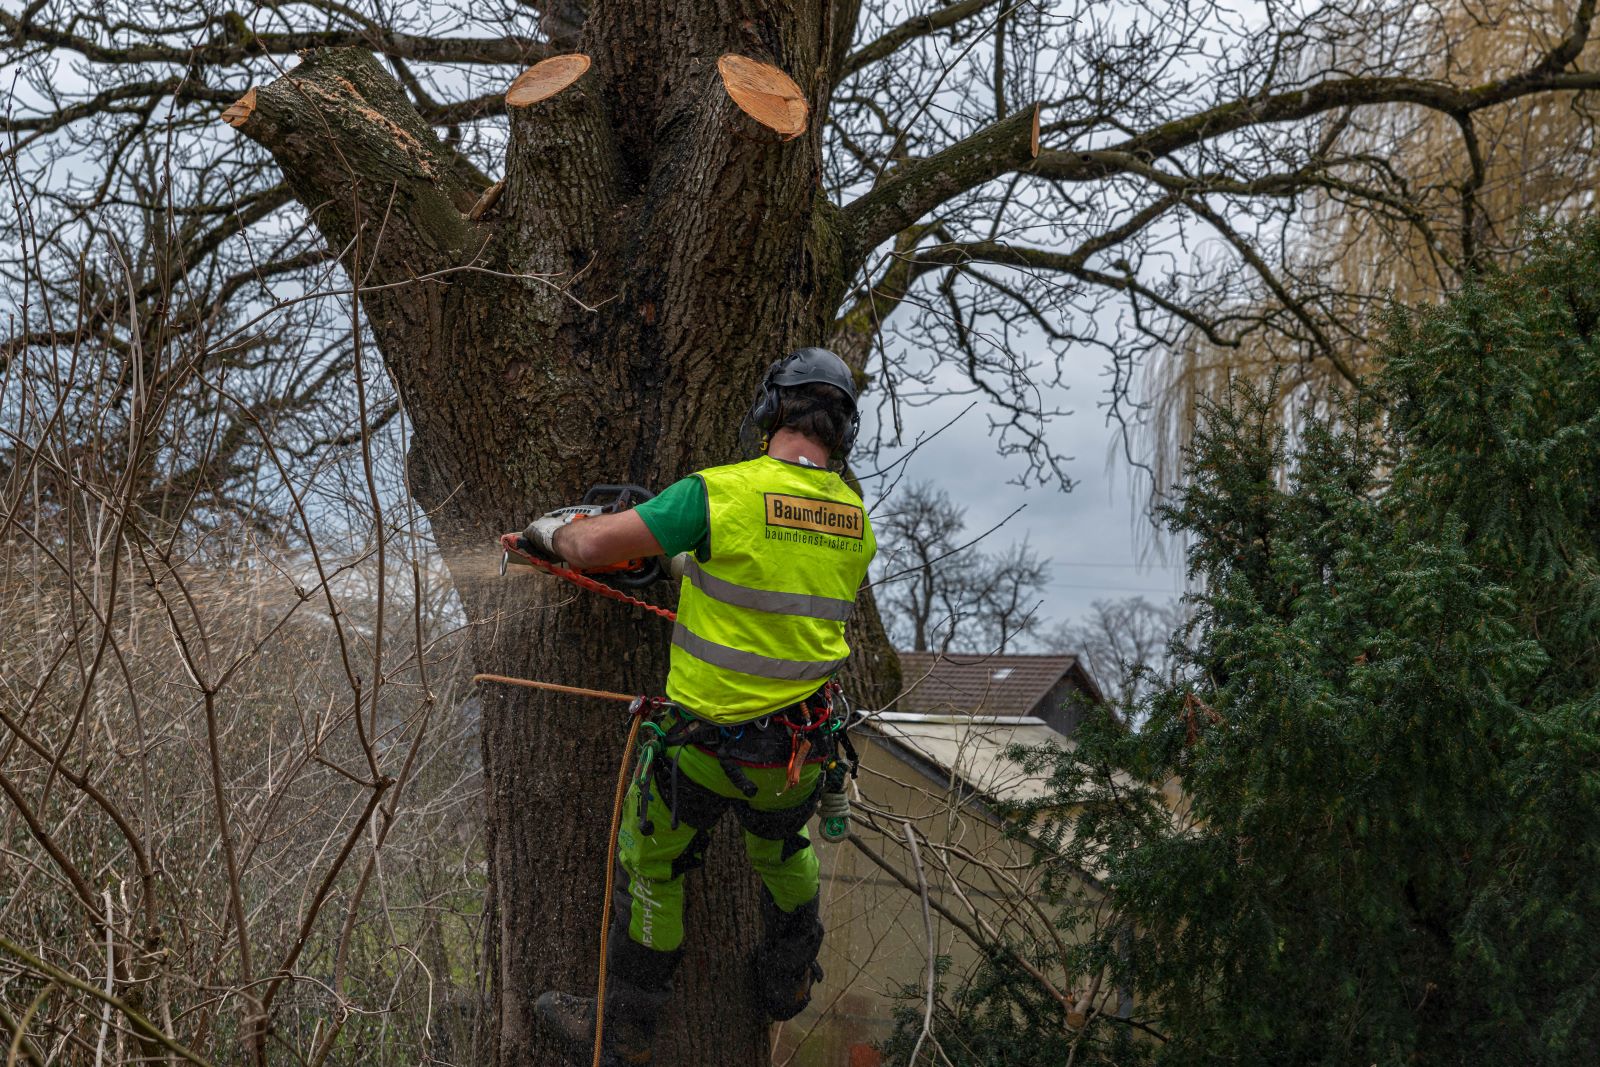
[487,200]
[766,94]
[561,165]
[348,140]
[1033,145]
[546,78]
[238,112]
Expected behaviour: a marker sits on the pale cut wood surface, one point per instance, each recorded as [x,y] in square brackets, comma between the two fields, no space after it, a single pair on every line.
[765,93]
[239,111]
[546,78]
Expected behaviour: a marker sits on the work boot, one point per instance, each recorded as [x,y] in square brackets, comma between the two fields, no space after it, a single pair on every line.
[638,986]
[628,1038]
[786,960]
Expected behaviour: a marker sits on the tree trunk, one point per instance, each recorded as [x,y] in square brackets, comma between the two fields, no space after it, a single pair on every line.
[606,319]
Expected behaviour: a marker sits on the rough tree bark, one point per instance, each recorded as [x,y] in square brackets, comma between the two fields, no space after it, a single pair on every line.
[604,317]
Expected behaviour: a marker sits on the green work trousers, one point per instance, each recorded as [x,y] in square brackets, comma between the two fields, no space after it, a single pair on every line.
[775,838]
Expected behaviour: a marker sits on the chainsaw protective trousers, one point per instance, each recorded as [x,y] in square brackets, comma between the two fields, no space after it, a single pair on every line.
[775,839]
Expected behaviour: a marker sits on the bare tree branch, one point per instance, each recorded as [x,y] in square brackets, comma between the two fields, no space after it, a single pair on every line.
[917,26]
[238,40]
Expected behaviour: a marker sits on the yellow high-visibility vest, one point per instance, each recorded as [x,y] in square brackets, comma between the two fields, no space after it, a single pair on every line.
[761,623]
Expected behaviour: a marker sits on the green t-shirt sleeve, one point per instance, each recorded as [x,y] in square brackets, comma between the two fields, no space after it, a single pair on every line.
[678,518]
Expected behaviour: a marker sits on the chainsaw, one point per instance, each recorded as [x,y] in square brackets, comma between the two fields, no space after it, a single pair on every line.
[599,500]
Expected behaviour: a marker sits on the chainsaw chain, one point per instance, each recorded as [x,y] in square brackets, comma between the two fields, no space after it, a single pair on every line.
[583,581]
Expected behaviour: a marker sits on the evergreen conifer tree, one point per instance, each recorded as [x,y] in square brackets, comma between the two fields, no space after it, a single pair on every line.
[1387,728]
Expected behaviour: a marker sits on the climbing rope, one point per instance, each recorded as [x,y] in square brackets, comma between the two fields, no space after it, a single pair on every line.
[637,716]
[508,544]
[637,710]
[640,705]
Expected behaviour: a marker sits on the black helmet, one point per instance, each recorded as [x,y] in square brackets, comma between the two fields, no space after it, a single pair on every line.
[803,366]
[808,366]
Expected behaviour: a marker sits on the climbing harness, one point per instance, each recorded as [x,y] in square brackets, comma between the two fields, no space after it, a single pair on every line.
[817,732]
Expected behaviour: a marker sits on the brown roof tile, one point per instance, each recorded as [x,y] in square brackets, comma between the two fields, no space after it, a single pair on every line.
[977,684]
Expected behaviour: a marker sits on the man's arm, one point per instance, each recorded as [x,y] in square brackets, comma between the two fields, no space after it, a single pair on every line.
[673,521]
[605,539]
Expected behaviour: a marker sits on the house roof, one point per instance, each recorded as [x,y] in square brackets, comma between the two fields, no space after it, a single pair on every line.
[974,750]
[944,683]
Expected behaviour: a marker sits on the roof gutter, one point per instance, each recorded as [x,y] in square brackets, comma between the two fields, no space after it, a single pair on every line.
[957,720]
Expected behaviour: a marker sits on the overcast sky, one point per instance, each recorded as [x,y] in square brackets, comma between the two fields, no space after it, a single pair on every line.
[1088,533]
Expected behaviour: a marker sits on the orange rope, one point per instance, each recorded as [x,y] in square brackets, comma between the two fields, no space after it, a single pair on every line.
[574,690]
[508,542]
[623,773]
[611,864]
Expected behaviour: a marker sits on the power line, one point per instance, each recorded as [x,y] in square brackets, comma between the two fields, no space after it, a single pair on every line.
[1120,566]
[1163,591]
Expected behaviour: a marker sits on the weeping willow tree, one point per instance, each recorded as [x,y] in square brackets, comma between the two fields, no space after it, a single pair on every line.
[1453,191]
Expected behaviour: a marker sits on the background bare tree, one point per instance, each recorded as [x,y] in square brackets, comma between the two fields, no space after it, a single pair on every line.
[917,542]
[526,300]
[1124,642]
[237,754]
[939,591]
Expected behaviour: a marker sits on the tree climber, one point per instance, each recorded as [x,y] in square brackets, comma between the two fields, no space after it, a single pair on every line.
[773,551]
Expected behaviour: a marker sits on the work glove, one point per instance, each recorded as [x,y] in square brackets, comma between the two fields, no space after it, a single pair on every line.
[539,538]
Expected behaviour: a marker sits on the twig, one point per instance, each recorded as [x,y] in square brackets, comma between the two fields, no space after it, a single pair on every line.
[959,548]
[19,1039]
[105,1008]
[987,944]
[927,932]
[140,1023]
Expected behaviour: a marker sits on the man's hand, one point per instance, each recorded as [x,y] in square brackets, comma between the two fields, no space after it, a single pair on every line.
[540,535]
[597,541]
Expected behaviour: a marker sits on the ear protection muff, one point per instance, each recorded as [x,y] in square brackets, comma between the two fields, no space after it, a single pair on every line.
[763,413]
[849,441]
[801,367]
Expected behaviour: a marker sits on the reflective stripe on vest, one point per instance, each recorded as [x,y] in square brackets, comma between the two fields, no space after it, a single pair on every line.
[788,670]
[742,596]
[761,620]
